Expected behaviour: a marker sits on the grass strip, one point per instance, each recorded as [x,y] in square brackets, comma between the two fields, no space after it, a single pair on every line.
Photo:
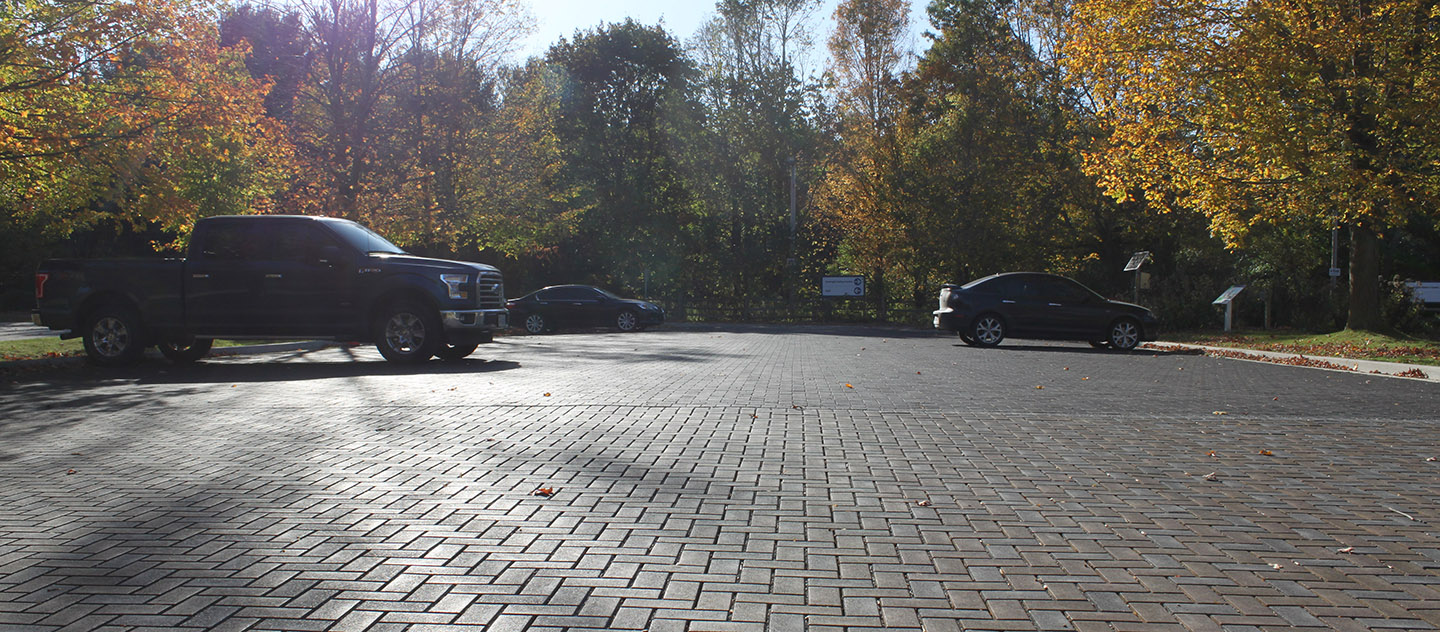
[1349,344]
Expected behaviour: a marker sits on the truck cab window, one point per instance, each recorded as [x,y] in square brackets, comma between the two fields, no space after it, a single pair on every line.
[233,242]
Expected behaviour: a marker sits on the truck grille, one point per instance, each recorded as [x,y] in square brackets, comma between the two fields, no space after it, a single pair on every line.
[490,291]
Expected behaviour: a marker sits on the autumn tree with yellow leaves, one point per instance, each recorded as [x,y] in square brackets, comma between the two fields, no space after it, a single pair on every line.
[860,192]
[1270,113]
[128,113]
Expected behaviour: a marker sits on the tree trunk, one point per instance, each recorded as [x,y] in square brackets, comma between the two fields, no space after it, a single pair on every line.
[1364,313]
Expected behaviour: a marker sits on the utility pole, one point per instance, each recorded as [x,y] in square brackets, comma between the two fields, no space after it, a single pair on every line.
[790,260]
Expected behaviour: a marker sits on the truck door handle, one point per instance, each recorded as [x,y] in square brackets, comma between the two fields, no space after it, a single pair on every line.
[1007,301]
[274,276]
[199,276]
[1055,305]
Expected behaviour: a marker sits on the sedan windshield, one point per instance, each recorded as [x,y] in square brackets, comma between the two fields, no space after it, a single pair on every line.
[362,238]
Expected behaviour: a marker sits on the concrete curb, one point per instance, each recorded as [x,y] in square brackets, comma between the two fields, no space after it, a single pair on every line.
[1342,365]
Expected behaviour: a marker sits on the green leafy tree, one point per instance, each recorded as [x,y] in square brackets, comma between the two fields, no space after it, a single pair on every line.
[625,103]
[761,114]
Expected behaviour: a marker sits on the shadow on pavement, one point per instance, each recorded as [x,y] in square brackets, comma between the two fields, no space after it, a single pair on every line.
[1080,348]
[273,367]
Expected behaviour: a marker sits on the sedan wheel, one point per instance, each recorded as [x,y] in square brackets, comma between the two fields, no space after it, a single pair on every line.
[1124,334]
[535,324]
[627,321]
[988,330]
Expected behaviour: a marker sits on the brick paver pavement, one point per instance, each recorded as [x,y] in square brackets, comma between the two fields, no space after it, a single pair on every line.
[747,478]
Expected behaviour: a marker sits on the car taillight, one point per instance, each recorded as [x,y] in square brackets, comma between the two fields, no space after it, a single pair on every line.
[40,279]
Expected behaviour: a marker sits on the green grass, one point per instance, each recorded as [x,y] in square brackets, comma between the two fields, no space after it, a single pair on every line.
[35,348]
[1354,345]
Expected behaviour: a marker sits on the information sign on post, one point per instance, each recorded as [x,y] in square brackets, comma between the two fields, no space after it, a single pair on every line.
[1137,260]
[1228,299]
[842,286]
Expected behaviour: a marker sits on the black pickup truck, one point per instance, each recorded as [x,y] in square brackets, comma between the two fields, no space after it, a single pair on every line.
[268,277]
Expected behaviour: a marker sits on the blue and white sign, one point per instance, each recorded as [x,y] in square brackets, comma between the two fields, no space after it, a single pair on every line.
[842,286]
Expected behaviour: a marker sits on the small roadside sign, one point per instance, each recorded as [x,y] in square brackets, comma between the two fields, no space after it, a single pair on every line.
[1229,295]
[1137,260]
[852,285]
[1334,273]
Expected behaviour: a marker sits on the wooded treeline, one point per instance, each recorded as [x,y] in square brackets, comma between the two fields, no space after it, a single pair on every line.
[1227,138]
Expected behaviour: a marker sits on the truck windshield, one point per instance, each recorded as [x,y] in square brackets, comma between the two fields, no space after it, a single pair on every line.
[362,238]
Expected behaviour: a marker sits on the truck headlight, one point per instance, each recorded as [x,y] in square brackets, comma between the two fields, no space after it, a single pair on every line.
[455,285]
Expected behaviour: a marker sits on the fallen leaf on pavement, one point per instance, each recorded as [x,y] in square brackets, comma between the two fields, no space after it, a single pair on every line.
[1266,453]
[543,491]
[1348,549]
[924,503]
[849,386]
[1221,412]
[70,472]
[1212,476]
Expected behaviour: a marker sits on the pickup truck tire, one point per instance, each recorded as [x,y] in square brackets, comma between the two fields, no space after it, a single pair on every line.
[453,353]
[185,352]
[113,335]
[408,333]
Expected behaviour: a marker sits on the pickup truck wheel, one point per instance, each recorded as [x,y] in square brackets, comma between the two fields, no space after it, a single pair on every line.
[408,333]
[185,352]
[112,336]
[452,353]
[627,320]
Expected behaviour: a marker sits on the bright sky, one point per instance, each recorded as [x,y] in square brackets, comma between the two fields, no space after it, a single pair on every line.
[561,18]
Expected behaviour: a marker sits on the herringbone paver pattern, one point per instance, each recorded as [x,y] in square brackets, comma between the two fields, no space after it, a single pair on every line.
[745,479]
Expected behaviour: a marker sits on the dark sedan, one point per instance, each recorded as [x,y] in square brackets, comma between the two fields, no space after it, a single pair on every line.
[557,306]
[1036,305]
